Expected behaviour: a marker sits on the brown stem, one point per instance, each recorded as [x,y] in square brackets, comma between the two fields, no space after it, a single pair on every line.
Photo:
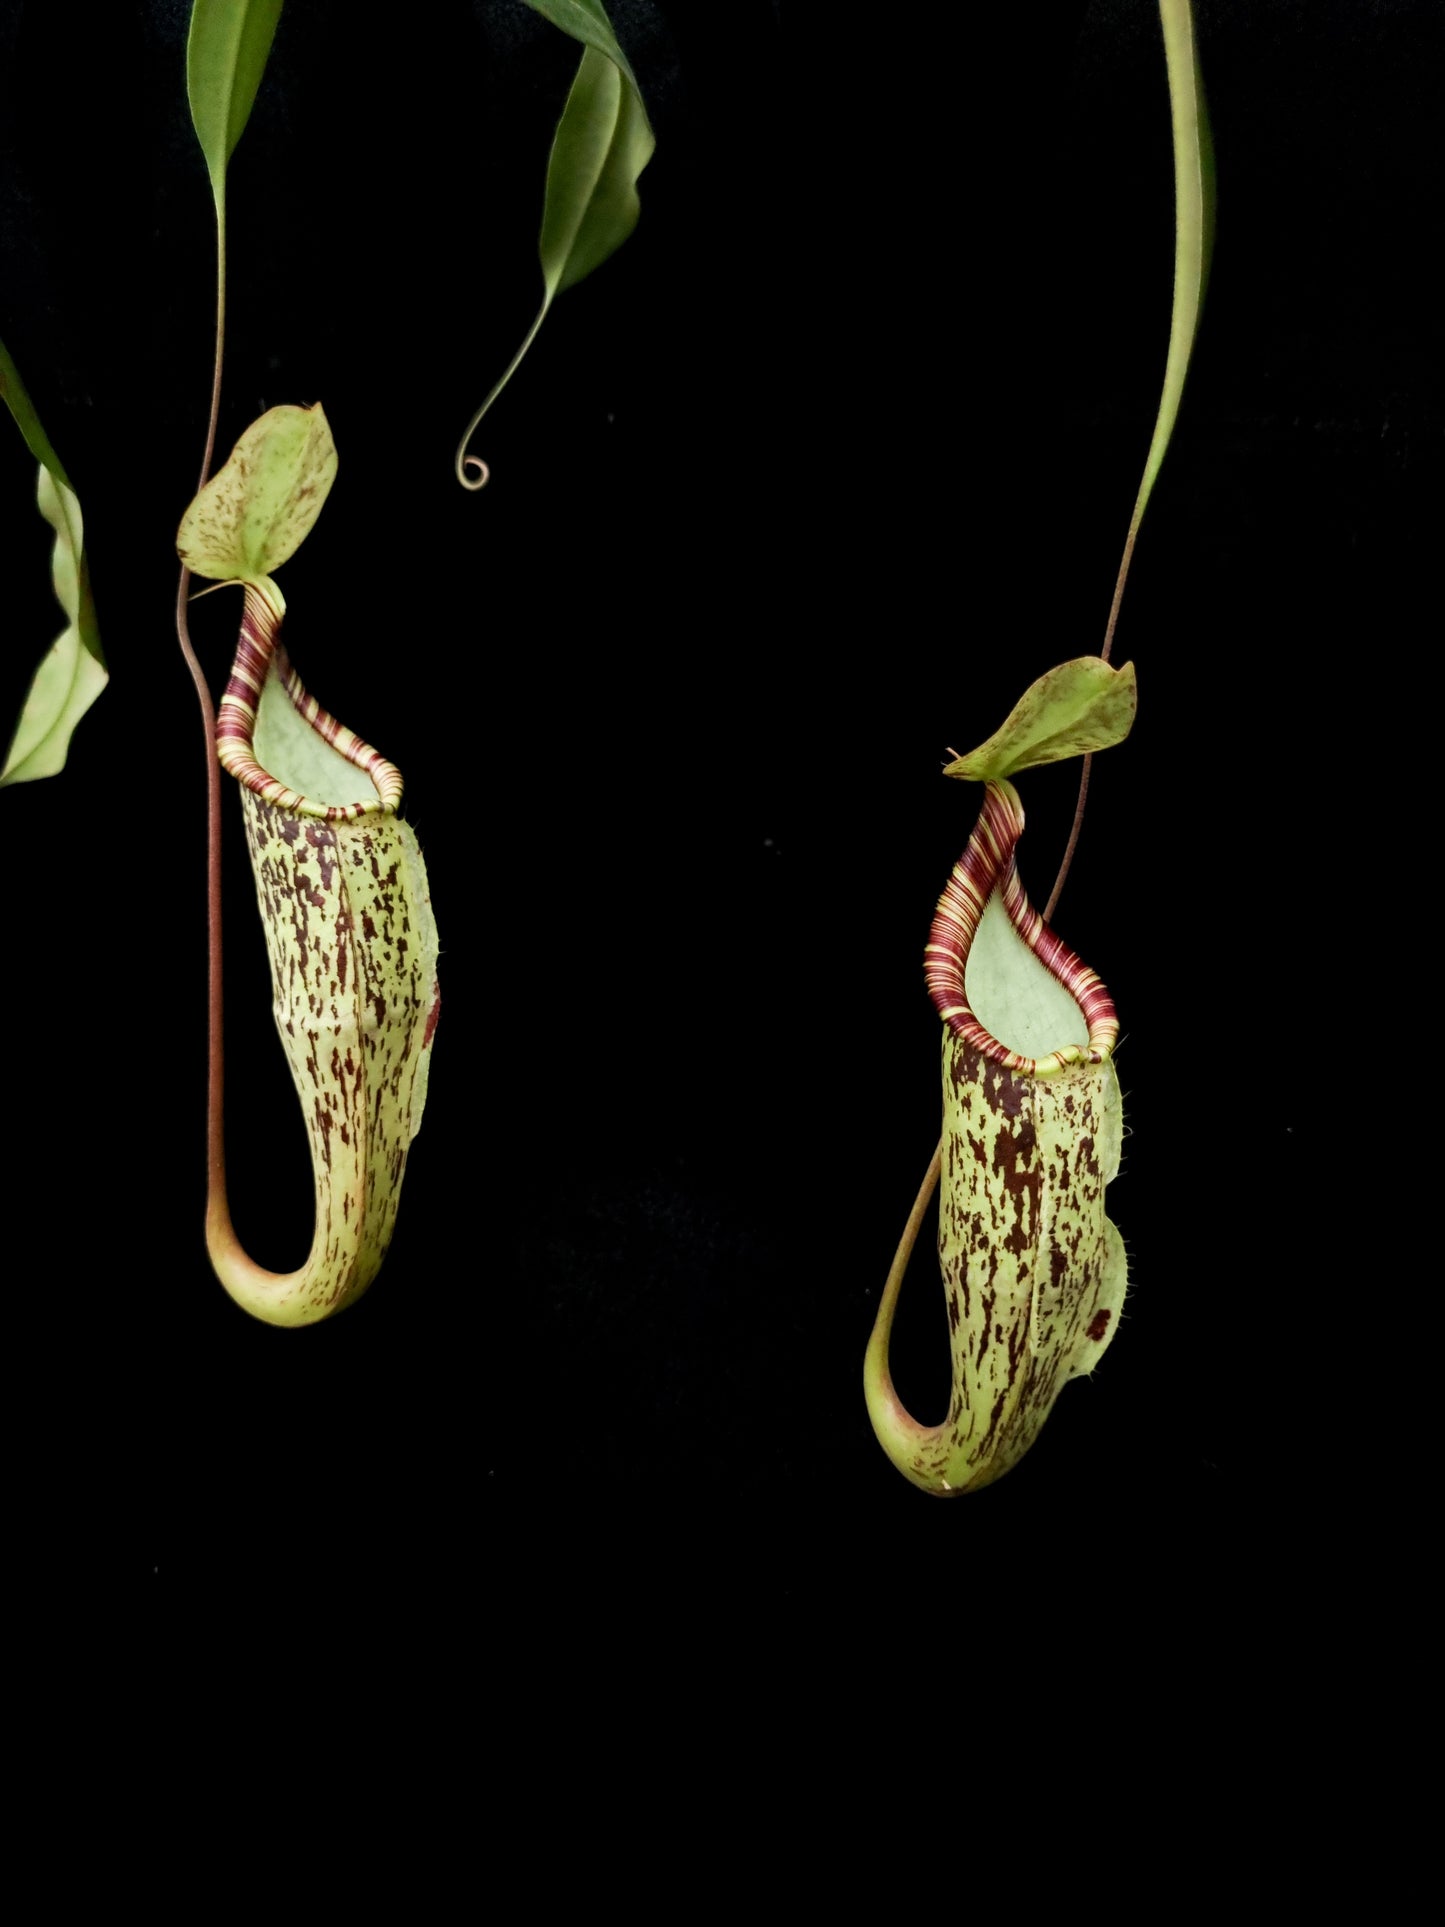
[1073,842]
[215,1114]
[1104,653]
[883,1324]
[217,1213]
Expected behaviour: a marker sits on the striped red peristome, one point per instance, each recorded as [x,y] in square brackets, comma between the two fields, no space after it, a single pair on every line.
[987,865]
[236,723]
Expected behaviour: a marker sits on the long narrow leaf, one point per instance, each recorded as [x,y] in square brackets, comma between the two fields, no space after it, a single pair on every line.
[225,59]
[17,400]
[603,142]
[1193,226]
[72,673]
[586,20]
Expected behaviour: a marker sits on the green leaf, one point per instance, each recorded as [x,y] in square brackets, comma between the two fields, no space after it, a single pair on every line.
[259,508]
[225,59]
[586,20]
[1080,707]
[603,142]
[72,673]
[17,400]
[1193,227]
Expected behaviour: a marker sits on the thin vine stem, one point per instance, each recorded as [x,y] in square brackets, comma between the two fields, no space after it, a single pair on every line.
[1104,653]
[217,1212]
[471,471]
[878,1344]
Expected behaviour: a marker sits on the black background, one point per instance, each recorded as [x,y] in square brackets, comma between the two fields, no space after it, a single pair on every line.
[803,487]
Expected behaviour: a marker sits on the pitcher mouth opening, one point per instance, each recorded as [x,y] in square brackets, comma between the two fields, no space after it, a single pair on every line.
[993,965]
[260,657]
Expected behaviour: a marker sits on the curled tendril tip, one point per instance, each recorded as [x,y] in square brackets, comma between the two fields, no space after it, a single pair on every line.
[472,472]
